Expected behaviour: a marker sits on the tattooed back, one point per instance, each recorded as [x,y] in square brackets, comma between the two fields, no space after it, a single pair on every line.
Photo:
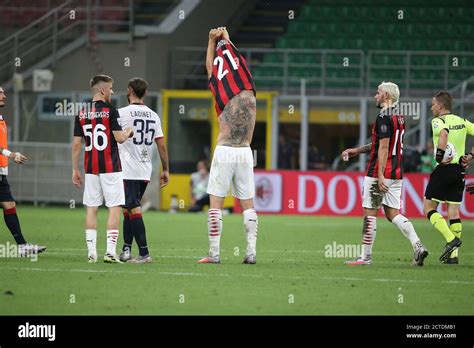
[237,120]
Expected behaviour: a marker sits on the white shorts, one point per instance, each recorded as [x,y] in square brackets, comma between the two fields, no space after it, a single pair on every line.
[372,198]
[100,186]
[232,167]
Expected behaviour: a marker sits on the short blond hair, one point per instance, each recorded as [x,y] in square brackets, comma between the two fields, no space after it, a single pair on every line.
[392,90]
[100,78]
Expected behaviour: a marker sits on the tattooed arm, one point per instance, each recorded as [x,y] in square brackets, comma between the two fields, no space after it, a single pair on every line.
[237,120]
[349,153]
[365,148]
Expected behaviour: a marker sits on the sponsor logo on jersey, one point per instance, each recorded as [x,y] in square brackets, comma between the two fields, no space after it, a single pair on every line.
[457,127]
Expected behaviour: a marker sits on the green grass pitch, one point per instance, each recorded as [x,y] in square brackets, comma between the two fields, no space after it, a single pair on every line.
[292,275]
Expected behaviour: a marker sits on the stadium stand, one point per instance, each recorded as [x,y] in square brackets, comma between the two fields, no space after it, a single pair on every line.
[384,34]
[152,12]
[264,24]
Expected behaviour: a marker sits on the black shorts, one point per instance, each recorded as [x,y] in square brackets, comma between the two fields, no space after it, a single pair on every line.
[134,190]
[5,191]
[446,184]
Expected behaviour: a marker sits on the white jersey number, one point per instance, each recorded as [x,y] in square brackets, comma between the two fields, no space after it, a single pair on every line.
[394,152]
[94,135]
[219,61]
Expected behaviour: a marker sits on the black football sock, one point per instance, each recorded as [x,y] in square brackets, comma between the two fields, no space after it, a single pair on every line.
[127,232]
[13,224]
[138,229]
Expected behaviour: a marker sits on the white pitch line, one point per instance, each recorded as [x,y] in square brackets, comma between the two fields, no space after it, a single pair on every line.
[157,256]
[37,269]
[384,280]
[227,275]
[316,226]
[34,269]
[338,259]
[263,251]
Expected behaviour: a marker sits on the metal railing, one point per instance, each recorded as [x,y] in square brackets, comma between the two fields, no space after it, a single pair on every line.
[46,177]
[44,37]
[334,72]
[187,64]
[418,70]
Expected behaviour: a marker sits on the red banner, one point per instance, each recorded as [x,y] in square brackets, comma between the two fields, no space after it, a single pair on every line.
[334,194]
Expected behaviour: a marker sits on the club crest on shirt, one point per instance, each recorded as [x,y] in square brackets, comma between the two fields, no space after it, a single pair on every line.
[383,128]
[144,156]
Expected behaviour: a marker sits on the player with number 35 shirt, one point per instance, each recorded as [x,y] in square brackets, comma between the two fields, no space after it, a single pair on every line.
[136,156]
[98,126]
[136,152]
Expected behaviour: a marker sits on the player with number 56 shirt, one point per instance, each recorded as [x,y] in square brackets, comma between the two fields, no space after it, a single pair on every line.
[383,181]
[98,125]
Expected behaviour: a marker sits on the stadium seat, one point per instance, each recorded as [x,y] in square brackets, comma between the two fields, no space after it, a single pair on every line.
[338,24]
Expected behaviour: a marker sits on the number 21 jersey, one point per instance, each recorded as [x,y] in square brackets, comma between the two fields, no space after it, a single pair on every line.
[230,75]
[136,153]
[95,125]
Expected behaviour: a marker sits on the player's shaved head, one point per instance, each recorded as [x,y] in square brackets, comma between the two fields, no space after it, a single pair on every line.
[98,79]
[445,99]
[138,86]
[101,86]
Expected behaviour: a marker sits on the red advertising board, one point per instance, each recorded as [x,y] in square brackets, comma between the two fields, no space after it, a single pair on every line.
[334,193]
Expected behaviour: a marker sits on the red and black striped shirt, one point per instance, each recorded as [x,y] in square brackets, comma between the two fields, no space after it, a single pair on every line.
[96,126]
[230,75]
[392,126]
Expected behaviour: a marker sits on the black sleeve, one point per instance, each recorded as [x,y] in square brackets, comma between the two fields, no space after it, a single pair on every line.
[382,127]
[114,116]
[77,128]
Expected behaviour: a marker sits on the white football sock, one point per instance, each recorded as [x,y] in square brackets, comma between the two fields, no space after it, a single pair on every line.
[91,241]
[251,230]
[112,236]
[407,229]
[214,228]
[368,236]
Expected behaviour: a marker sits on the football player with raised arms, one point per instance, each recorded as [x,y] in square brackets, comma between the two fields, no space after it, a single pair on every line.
[383,181]
[98,125]
[232,164]
[135,155]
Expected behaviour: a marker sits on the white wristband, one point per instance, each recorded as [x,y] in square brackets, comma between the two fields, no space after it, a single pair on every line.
[7,153]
